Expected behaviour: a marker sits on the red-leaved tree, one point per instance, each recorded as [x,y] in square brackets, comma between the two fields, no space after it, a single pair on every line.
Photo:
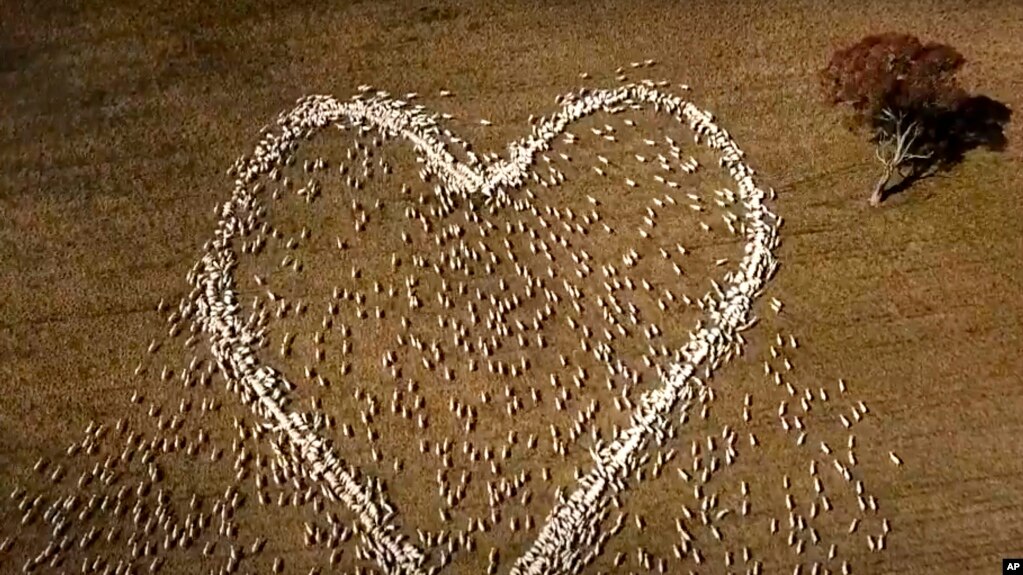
[906,96]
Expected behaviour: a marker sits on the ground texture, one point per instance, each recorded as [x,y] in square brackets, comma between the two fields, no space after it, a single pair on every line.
[118,123]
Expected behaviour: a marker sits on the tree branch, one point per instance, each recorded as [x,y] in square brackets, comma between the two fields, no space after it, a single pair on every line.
[877,152]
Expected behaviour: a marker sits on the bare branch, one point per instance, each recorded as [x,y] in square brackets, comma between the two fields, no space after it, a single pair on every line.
[877,152]
[914,129]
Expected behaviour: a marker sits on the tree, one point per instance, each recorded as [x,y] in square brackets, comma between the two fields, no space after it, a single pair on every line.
[906,96]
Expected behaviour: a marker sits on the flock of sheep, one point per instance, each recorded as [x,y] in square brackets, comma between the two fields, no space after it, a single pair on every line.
[575,533]
[573,526]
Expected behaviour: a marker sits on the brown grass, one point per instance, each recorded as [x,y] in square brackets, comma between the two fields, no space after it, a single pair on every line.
[118,122]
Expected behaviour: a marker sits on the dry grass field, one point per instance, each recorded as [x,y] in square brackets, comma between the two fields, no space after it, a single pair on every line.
[118,121]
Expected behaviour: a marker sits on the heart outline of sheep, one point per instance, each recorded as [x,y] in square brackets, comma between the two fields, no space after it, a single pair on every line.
[572,526]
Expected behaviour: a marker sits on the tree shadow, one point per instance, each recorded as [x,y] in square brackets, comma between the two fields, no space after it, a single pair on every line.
[978,122]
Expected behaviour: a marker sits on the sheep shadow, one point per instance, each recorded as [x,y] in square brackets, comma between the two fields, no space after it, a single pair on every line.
[978,122]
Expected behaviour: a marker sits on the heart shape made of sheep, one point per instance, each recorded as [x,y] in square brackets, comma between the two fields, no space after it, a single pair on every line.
[570,529]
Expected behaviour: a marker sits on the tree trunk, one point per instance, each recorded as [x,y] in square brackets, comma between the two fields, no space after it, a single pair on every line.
[878,195]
